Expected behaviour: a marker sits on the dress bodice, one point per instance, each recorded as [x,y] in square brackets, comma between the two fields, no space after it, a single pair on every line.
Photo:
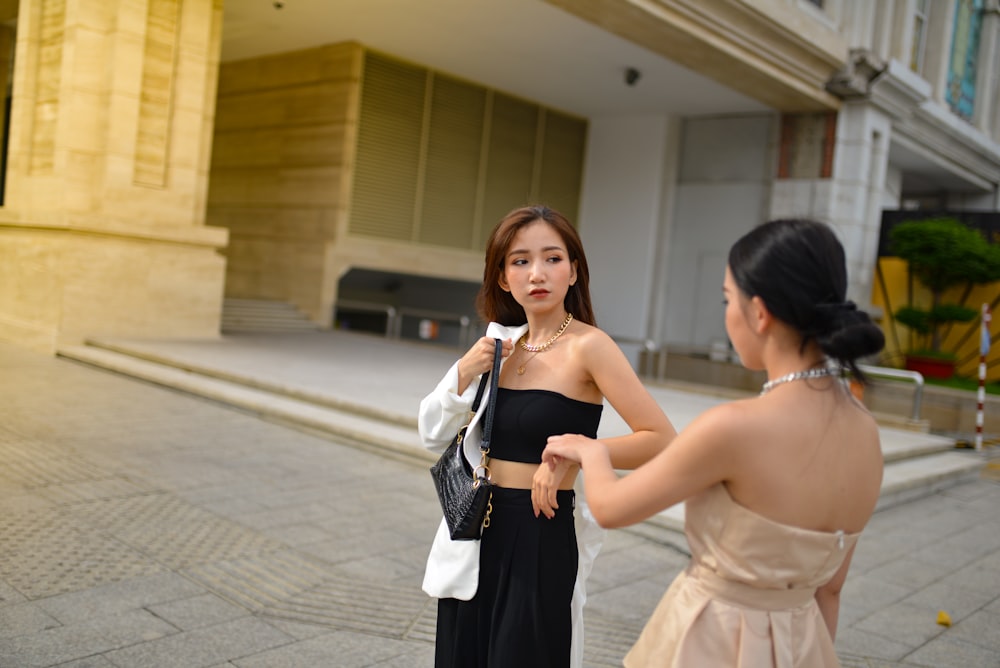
[748,598]
[740,545]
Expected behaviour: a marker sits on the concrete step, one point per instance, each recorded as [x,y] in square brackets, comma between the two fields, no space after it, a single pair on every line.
[362,427]
[248,315]
[916,464]
[262,325]
[124,352]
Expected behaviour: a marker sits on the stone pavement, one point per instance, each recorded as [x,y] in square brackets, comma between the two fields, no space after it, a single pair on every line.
[140,526]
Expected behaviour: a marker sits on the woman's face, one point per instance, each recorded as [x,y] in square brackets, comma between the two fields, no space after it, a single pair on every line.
[741,334]
[537,270]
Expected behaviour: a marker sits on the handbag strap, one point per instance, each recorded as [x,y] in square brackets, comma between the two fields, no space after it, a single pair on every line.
[493,378]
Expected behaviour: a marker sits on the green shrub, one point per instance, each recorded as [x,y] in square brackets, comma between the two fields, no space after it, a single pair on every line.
[942,253]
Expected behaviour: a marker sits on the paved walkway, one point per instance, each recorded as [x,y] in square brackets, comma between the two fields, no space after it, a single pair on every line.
[144,527]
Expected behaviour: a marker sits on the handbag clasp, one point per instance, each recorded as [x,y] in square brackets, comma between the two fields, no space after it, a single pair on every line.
[484,467]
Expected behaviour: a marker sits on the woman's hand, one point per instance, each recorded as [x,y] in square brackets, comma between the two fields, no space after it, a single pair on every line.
[545,484]
[479,359]
[595,462]
[569,448]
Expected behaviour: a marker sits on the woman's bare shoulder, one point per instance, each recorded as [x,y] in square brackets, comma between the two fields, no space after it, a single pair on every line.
[592,340]
[729,422]
[590,333]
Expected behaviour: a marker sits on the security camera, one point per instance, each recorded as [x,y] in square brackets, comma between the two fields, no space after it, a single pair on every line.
[632,75]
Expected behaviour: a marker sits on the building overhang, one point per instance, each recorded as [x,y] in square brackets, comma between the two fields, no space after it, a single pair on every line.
[938,148]
[758,48]
[531,49]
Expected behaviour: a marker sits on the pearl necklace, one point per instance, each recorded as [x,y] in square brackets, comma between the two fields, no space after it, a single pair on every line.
[797,375]
[539,348]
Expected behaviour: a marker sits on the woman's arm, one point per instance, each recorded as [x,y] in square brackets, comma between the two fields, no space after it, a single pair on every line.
[702,455]
[446,408]
[618,382]
[443,411]
[828,596]
[604,364]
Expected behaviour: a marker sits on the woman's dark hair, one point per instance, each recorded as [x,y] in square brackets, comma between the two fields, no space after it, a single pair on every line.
[797,267]
[497,305]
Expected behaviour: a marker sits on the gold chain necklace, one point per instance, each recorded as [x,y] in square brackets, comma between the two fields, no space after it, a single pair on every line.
[543,346]
[520,369]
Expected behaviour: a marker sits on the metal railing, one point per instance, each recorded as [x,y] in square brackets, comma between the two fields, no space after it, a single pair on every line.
[394,317]
[464,322]
[652,365]
[391,314]
[900,374]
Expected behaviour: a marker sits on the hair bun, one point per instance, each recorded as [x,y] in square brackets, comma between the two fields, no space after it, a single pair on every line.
[845,332]
[831,315]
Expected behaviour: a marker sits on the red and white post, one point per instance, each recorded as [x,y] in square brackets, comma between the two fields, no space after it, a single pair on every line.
[984,350]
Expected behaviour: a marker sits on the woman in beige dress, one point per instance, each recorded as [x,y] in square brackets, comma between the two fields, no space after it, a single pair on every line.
[777,487]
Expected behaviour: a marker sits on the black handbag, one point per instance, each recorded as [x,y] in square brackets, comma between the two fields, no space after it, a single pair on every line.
[465,493]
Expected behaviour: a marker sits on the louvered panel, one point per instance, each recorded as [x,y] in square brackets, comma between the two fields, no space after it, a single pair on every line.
[388,156]
[562,163]
[452,168]
[404,160]
[511,158]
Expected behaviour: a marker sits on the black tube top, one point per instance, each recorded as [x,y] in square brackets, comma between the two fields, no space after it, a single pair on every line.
[524,420]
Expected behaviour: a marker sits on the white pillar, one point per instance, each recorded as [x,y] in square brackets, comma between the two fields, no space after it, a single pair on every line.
[624,215]
[861,159]
[986,110]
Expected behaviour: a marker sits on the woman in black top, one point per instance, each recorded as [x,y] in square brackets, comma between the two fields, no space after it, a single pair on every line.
[514,598]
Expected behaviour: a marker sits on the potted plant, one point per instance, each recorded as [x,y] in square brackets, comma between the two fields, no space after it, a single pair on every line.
[942,253]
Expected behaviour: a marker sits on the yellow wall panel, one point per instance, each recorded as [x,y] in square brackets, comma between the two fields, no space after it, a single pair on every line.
[454,153]
[893,289]
[388,149]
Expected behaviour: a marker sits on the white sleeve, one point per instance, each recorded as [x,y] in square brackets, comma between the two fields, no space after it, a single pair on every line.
[444,411]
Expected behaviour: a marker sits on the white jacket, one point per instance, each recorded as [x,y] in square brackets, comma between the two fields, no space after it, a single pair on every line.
[453,565]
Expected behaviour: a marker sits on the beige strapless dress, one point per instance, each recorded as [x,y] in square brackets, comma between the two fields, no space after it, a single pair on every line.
[747,598]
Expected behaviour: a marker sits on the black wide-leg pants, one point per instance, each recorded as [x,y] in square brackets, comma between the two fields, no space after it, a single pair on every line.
[520,616]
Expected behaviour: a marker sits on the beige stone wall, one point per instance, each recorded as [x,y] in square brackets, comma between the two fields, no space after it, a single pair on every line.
[102,226]
[284,141]
[64,287]
[30,289]
[113,106]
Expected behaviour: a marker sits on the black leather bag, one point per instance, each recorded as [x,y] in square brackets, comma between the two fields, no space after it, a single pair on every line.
[465,493]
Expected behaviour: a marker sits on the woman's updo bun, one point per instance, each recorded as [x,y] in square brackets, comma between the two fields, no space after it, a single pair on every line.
[849,334]
[797,267]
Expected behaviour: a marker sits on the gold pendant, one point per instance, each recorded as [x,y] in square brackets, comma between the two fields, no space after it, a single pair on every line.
[520,370]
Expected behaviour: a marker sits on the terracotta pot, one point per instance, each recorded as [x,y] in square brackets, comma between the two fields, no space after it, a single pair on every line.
[931,367]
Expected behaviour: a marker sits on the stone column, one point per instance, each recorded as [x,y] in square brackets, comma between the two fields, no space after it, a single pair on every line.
[102,228]
[937,48]
[987,107]
[859,184]
[832,167]
[852,159]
